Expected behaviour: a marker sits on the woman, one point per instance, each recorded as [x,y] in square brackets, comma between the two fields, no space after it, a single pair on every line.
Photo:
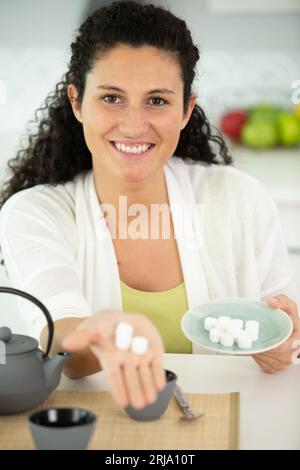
[124,126]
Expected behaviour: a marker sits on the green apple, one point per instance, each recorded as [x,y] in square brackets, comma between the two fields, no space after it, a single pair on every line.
[264,112]
[288,129]
[259,134]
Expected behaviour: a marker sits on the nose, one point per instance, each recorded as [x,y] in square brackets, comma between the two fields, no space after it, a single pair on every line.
[134,122]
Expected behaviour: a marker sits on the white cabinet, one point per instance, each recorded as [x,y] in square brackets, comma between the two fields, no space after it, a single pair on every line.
[279,171]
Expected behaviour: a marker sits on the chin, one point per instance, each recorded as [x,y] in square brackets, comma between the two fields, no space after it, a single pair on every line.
[134,175]
[133,178]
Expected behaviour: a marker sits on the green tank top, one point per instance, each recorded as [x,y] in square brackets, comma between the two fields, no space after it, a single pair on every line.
[165,310]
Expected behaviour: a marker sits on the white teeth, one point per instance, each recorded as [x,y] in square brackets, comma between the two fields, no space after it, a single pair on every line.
[135,149]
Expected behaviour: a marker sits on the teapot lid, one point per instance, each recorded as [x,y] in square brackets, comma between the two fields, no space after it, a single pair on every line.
[17,344]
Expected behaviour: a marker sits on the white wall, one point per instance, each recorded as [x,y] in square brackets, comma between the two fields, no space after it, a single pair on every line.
[269,31]
[43,23]
[35,38]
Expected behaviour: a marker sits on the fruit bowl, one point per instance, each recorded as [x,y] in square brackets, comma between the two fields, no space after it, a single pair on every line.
[262,126]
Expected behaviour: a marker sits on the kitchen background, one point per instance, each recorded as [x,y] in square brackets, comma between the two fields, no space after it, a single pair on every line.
[250,56]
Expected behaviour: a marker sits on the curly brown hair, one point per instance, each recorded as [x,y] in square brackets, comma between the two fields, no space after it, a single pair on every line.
[57,152]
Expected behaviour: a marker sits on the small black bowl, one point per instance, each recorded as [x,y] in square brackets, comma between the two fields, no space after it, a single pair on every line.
[62,428]
[156,409]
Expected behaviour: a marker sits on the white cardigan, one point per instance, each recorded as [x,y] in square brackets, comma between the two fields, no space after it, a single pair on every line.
[56,244]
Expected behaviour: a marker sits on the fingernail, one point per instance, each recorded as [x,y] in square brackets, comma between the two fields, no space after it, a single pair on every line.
[151,400]
[139,406]
[274,300]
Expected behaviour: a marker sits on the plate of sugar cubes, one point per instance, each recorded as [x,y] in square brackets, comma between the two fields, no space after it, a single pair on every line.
[236,325]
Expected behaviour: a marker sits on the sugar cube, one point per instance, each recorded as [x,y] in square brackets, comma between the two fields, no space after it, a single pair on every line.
[244,341]
[123,335]
[124,328]
[209,323]
[139,345]
[252,329]
[226,339]
[224,321]
[214,335]
[236,323]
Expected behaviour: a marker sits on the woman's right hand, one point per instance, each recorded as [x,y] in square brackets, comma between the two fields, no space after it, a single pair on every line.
[132,378]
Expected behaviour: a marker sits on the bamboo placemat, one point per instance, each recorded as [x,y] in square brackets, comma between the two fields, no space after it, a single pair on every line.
[218,429]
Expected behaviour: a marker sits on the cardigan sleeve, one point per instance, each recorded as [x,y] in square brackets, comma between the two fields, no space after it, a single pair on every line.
[38,244]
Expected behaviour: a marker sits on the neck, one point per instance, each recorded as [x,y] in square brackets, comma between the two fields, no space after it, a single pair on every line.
[117,197]
[151,191]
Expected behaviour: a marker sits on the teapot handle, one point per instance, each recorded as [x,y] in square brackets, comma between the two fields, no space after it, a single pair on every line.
[11,290]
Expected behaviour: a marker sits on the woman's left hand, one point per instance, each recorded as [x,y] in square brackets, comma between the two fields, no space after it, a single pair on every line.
[281,357]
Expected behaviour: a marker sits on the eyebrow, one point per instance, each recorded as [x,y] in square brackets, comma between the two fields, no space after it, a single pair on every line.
[156,90]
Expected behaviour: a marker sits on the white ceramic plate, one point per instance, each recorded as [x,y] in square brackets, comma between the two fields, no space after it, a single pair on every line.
[275,326]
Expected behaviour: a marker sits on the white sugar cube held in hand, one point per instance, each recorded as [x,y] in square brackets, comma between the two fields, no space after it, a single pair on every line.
[122,342]
[139,345]
[209,323]
[124,328]
[123,336]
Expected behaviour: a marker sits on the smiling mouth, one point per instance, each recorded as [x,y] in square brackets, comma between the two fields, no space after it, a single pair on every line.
[132,156]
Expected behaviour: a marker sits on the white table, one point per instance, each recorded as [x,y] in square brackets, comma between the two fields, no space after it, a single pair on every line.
[270,403]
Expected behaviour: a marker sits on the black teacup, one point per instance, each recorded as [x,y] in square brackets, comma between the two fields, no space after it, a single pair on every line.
[156,409]
[62,428]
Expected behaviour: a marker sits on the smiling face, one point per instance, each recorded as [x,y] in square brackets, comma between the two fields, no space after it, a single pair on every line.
[134,114]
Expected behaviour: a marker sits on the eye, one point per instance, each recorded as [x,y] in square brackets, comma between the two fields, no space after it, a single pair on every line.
[157,98]
[103,98]
[111,99]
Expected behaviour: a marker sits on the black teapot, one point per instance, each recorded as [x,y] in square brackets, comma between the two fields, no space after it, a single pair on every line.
[27,374]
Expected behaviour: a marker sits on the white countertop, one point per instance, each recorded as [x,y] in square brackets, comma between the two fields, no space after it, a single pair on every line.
[269,403]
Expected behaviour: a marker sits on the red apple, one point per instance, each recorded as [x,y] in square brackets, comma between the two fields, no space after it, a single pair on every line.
[233,122]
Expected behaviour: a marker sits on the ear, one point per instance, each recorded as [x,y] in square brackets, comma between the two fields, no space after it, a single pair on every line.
[73,95]
[189,111]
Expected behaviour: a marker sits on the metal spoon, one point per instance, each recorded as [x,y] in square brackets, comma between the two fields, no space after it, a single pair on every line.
[184,405]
